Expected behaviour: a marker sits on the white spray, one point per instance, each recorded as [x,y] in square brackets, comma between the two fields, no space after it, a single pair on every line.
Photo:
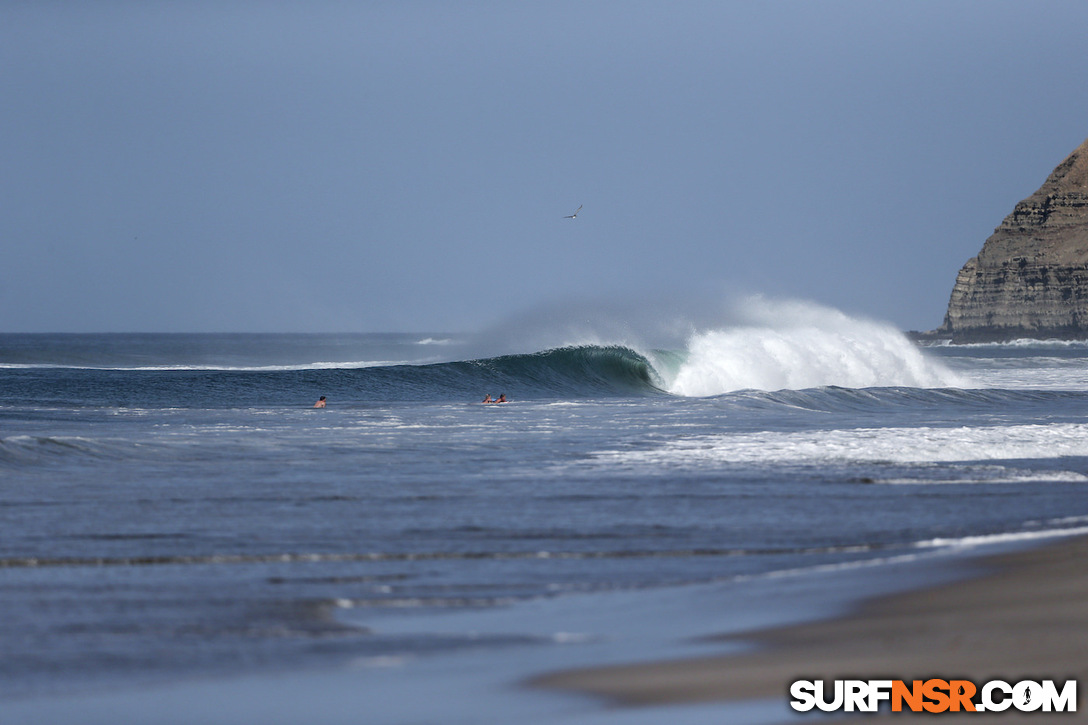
[794,345]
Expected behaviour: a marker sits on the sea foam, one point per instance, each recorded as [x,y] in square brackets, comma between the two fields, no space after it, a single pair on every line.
[991,445]
[794,345]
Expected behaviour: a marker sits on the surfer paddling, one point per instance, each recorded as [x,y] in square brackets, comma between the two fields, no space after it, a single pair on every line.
[500,399]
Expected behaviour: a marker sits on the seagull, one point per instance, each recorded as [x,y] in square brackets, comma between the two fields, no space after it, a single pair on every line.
[575,214]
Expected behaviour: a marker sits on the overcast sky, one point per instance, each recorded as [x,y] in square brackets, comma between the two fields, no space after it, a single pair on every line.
[406,166]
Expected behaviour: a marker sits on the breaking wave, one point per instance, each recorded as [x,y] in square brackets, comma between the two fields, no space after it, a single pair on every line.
[769,346]
[772,346]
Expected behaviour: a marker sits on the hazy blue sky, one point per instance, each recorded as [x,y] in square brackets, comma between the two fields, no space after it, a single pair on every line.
[385,166]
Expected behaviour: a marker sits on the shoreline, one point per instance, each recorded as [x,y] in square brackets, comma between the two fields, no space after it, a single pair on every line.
[1025,616]
[683,670]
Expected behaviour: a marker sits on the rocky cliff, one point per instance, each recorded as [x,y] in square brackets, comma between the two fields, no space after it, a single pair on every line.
[1031,278]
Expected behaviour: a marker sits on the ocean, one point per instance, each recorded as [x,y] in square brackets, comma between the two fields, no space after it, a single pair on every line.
[173,509]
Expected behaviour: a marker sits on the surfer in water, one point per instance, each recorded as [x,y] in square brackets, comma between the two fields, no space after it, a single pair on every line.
[320,402]
[487,399]
[500,399]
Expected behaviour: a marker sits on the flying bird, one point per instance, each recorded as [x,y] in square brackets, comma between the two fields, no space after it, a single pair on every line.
[575,214]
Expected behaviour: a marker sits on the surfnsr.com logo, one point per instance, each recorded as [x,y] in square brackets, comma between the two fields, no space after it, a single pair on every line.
[934,696]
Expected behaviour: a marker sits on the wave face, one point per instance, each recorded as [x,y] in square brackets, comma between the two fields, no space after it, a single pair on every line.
[788,345]
[564,373]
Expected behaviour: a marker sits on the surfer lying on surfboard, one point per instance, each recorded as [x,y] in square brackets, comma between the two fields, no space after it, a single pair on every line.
[500,399]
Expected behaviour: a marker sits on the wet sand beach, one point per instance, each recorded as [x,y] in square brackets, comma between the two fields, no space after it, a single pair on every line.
[1024,617]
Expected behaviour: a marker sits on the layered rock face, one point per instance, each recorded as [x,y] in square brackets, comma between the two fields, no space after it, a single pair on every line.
[1031,278]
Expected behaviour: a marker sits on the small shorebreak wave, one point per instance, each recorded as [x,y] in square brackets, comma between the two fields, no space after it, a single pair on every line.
[17,562]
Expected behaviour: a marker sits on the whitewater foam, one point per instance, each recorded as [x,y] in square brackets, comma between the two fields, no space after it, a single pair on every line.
[1004,538]
[917,446]
[1022,342]
[1027,373]
[793,345]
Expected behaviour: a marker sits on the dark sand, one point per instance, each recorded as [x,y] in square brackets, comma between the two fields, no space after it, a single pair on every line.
[1025,618]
